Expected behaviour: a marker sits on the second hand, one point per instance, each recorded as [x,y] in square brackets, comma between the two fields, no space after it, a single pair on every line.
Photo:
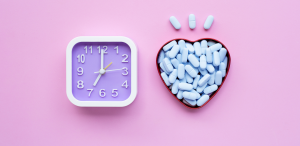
[107,66]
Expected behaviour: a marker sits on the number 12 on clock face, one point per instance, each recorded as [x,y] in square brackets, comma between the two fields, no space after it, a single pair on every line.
[102,73]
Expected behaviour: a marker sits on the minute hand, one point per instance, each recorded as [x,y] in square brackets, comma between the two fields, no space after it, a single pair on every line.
[102,55]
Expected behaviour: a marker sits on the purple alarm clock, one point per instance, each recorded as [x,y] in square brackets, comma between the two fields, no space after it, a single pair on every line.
[101,71]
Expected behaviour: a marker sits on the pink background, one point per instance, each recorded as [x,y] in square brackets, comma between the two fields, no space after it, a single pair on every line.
[257,105]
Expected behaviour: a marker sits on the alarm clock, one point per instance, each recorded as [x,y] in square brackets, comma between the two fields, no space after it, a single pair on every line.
[101,71]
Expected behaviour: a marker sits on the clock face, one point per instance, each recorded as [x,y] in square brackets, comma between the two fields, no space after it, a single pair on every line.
[91,80]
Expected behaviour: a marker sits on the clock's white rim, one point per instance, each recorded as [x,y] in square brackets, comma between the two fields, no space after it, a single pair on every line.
[134,77]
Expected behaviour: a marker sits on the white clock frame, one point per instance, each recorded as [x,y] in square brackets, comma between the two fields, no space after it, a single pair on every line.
[133,49]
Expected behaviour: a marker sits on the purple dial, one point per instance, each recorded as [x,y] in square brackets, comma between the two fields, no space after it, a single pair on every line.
[91,82]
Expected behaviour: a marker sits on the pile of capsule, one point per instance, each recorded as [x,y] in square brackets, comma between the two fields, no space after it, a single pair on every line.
[193,71]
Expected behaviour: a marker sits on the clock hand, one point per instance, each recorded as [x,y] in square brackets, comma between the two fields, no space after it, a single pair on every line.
[107,66]
[102,58]
[101,72]
[113,70]
[96,81]
[109,70]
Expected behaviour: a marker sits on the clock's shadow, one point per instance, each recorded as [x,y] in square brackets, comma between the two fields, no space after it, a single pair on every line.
[134,108]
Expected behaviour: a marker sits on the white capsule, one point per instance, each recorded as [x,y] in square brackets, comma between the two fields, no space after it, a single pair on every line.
[167,54]
[222,53]
[193,60]
[184,55]
[218,79]
[211,81]
[204,80]
[175,22]
[202,100]
[179,95]
[215,47]
[204,44]
[210,89]
[183,80]
[212,56]
[189,95]
[210,68]
[195,69]
[175,87]
[225,61]
[178,57]
[195,82]
[189,102]
[189,79]
[222,68]
[201,88]
[163,68]
[173,76]
[185,86]
[197,48]
[203,62]
[192,21]
[167,64]
[208,55]
[165,78]
[190,47]
[174,51]
[208,22]
[203,47]
[216,61]
[169,45]
[203,72]
[181,71]
[181,44]
[190,70]
[210,43]
[198,95]
[175,62]
[161,56]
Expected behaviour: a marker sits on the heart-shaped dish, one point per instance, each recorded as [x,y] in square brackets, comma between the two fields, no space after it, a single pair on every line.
[212,94]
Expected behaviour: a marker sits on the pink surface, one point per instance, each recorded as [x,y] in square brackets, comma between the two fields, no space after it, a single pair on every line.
[258,104]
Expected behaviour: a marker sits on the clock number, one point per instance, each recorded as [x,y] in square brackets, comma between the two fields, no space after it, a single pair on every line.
[81,58]
[99,49]
[91,90]
[85,48]
[80,71]
[91,47]
[117,49]
[80,84]
[126,70]
[114,91]
[102,93]
[125,84]
[105,49]
[126,56]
